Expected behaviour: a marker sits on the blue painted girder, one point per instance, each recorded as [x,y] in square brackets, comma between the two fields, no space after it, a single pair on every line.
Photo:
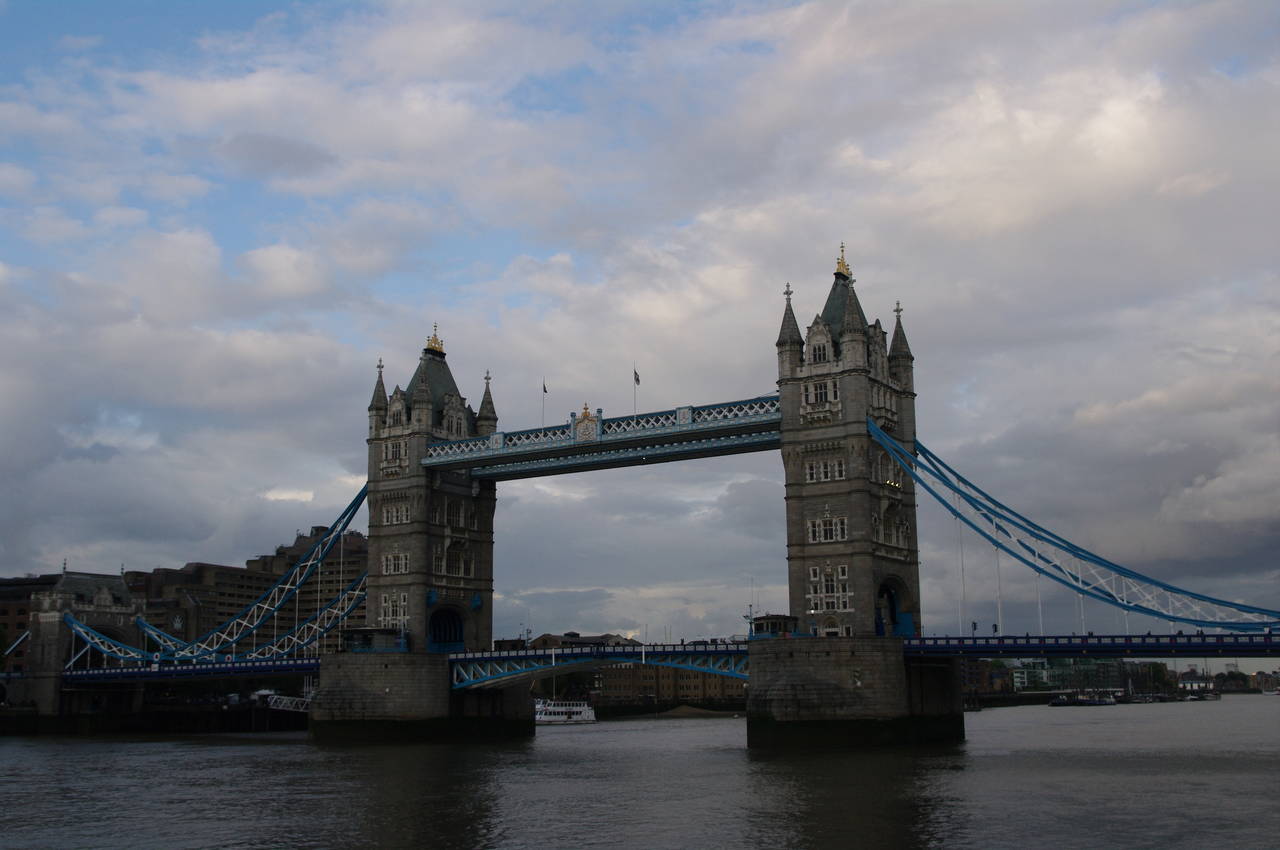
[501,669]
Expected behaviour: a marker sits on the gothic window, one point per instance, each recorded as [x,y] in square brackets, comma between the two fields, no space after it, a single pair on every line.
[437,559]
[454,565]
[394,563]
[395,514]
[818,352]
[454,511]
[829,584]
[824,470]
[394,610]
[471,518]
[820,392]
[828,529]
[813,575]
[435,512]
[843,570]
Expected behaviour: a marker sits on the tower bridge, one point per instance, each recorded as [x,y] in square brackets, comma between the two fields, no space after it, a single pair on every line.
[844,424]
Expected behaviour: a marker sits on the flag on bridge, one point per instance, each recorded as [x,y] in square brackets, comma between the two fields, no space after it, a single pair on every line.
[636,375]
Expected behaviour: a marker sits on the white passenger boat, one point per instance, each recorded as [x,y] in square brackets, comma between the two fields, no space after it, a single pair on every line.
[556,712]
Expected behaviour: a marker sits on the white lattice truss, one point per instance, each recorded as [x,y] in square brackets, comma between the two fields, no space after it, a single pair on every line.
[297,639]
[1062,561]
[314,628]
[284,703]
[469,670]
[224,637]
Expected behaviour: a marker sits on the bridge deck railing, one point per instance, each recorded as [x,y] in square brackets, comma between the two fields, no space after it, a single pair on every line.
[1136,645]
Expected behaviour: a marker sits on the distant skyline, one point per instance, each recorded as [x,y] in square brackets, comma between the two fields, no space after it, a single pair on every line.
[216,218]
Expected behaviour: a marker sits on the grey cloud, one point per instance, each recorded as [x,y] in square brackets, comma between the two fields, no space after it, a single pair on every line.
[266,156]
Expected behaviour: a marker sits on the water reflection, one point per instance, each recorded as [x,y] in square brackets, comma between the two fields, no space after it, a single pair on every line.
[1166,776]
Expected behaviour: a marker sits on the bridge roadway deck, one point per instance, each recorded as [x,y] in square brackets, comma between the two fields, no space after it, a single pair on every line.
[478,669]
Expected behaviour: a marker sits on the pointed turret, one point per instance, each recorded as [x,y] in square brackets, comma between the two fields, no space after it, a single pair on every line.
[790,343]
[842,312]
[854,320]
[379,402]
[898,348]
[487,418]
[790,332]
[900,356]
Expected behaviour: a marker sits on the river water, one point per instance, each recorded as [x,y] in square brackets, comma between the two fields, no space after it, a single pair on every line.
[1162,776]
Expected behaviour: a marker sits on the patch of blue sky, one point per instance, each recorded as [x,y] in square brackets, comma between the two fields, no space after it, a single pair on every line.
[561,92]
[33,30]
[627,23]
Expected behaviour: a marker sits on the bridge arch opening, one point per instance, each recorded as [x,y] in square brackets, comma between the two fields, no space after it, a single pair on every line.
[892,618]
[444,631]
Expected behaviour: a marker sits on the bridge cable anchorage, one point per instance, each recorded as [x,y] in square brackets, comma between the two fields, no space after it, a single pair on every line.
[1056,558]
[219,640]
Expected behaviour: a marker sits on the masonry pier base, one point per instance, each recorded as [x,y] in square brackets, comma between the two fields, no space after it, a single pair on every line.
[407,697]
[849,693]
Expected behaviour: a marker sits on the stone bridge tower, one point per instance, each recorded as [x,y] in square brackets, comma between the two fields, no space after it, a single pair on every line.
[852,555]
[430,532]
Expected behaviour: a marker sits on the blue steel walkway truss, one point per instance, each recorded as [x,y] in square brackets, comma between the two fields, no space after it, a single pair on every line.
[590,441]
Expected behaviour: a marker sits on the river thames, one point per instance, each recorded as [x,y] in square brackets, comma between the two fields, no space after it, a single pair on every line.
[1161,776]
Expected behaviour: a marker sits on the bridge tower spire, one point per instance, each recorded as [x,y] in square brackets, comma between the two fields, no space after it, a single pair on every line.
[852,554]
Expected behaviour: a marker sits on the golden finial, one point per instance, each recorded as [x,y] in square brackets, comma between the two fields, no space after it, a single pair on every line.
[435,343]
[842,267]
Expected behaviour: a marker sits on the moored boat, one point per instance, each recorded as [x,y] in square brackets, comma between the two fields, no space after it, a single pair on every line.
[548,712]
[1083,699]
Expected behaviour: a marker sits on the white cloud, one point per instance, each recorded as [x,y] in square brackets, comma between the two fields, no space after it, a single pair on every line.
[15,181]
[282,271]
[278,494]
[113,217]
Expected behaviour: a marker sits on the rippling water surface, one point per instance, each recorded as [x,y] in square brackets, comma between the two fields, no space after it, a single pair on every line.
[1166,776]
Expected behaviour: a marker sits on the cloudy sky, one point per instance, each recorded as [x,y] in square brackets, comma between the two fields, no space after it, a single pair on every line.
[215,218]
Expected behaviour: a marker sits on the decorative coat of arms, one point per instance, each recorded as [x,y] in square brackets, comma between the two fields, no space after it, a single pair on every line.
[584,429]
